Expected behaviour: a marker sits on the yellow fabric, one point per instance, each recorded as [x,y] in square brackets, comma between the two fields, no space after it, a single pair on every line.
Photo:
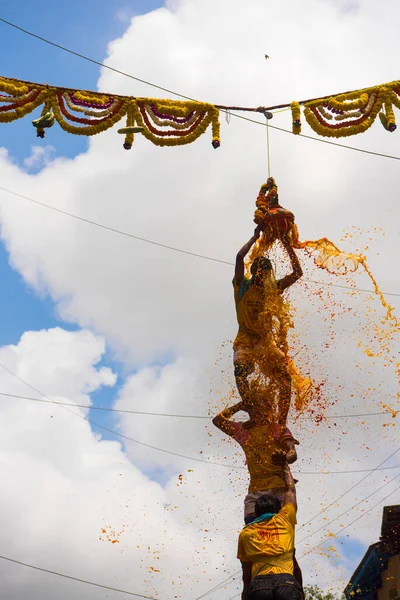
[254,318]
[269,545]
[258,448]
[264,321]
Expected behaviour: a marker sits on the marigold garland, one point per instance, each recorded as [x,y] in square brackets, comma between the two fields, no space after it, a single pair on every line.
[164,122]
[167,122]
[353,112]
[296,122]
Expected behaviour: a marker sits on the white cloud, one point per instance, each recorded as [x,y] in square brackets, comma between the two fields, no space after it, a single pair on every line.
[168,314]
[125,14]
[347,6]
[40,157]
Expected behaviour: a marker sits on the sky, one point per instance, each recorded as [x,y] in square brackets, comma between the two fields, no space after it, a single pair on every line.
[93,318]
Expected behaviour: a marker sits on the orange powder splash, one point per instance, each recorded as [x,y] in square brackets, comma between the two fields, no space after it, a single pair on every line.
[276,223]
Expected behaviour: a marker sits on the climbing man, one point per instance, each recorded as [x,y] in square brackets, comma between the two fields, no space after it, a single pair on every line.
[255,298]
[266,548]
[267,446]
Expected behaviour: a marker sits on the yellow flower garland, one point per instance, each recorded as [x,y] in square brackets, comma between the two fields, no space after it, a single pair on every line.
[13,86]
[349,101]
[296,123]
[352,112]
[83,107]
[20,112]
[173,108]
[167,122]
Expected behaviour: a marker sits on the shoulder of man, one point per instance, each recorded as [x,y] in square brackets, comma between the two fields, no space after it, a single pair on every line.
[288,513]
[241,289]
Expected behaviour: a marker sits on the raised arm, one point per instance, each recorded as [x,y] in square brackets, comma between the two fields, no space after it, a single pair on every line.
[239,266]
[222,419]
[297,272]
[289,496]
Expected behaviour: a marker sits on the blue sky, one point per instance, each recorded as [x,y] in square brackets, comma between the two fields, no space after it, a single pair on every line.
[86,27]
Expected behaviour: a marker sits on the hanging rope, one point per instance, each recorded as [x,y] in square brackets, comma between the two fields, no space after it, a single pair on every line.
[268,149]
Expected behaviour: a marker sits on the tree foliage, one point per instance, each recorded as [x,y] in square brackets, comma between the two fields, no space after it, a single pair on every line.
[314,592]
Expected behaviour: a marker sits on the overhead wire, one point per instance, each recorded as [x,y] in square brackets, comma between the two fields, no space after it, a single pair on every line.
[175,249]
[222,584]
[234,575]
[119,231]
[276,108]
[164,89]
[78,579]
[180,416]
[311,137]
[126,437]
[340,531]
[117,433]
[350,489]
[325,525]
[171,248]
[219,586]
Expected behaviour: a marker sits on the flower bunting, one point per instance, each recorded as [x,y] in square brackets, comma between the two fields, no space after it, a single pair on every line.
[163,122]
[166,122]
[353,112]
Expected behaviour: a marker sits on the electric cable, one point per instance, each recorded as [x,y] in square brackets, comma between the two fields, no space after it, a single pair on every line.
[224,109]
[352,522]
[99,585]
[346,511]
[314,547]
[117,433]
[204,460]
[180,416]
[186,252]
[222,584]
[349,490]
[203,256]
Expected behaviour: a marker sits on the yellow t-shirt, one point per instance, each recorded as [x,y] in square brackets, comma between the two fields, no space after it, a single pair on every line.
[258,448]
[259,443]
[254,318]
[269,545]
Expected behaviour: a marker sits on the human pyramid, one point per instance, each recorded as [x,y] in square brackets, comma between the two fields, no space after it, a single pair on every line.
[265,378]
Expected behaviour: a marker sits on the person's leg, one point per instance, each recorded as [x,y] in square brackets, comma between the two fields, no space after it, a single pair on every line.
[284,395]
[273,365]
[242,371]
[283,381]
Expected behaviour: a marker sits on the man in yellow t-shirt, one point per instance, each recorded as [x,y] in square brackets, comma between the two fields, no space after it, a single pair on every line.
[266,548]
[255,343]
[265,444]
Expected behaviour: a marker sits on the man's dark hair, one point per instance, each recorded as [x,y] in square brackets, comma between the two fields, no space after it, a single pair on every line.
[260,262]
[267,504]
